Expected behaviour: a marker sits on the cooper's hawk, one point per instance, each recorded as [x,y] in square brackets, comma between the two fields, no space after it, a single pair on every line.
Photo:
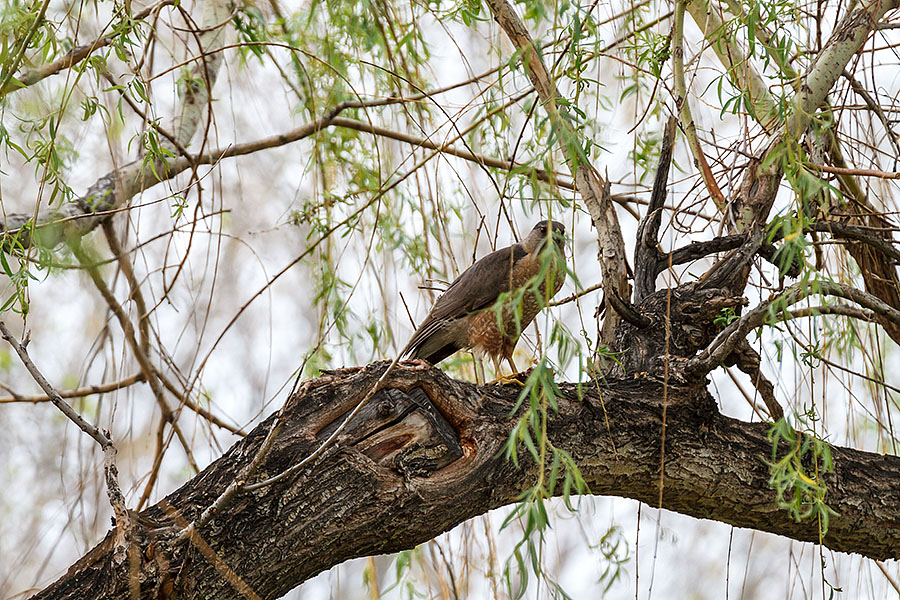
[465,316]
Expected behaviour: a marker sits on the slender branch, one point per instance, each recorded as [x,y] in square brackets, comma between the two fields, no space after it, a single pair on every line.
[853,171]
[506,165]
[136,294]
[102,437]
[142,357]
[863,314]
[87,390]
[728,339]
[74,56]
[684,108]
[73,220]
[591,187]
[99,436]
[858,233]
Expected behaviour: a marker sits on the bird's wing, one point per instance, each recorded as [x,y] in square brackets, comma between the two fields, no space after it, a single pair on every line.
[478,287]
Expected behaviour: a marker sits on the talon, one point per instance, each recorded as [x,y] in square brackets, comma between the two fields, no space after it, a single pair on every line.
[507,379]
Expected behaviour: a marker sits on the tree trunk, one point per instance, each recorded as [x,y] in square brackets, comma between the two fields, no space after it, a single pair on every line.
[396,478]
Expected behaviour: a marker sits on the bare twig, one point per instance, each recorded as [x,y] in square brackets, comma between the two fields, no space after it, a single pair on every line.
[576,295]
[142,357]
[878,563]
[873,105]
[77,392]
[852,171]
[858,233]
[102,437]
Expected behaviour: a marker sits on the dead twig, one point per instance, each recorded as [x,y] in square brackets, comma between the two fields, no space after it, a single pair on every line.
[77,392]
[101,436]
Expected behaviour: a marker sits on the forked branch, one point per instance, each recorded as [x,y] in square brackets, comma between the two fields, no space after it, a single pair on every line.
[647,257]
[734,334]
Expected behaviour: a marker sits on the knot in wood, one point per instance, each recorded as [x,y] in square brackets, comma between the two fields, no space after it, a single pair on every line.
[385,407]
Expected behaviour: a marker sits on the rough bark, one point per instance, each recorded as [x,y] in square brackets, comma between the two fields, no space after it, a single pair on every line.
[387,486]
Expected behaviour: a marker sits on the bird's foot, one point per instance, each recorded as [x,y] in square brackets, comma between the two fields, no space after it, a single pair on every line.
[508,379]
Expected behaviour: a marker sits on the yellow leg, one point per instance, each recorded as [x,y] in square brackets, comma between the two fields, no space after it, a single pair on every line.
[512,364]
[505,379]
[497,370]
[478,365]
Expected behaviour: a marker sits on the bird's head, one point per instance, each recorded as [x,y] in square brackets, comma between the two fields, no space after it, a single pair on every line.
[544,231]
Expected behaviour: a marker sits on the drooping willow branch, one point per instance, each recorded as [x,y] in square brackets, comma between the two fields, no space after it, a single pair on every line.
[591,187]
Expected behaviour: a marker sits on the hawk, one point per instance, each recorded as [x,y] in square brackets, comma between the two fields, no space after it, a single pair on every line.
[466,315]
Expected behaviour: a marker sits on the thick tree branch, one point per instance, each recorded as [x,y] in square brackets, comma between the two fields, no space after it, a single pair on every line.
[752,205]
[740,69]
[735,333]
[647,256]
[73,220]
[375,492]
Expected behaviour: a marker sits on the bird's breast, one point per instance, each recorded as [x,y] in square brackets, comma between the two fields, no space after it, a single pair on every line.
[495,331]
